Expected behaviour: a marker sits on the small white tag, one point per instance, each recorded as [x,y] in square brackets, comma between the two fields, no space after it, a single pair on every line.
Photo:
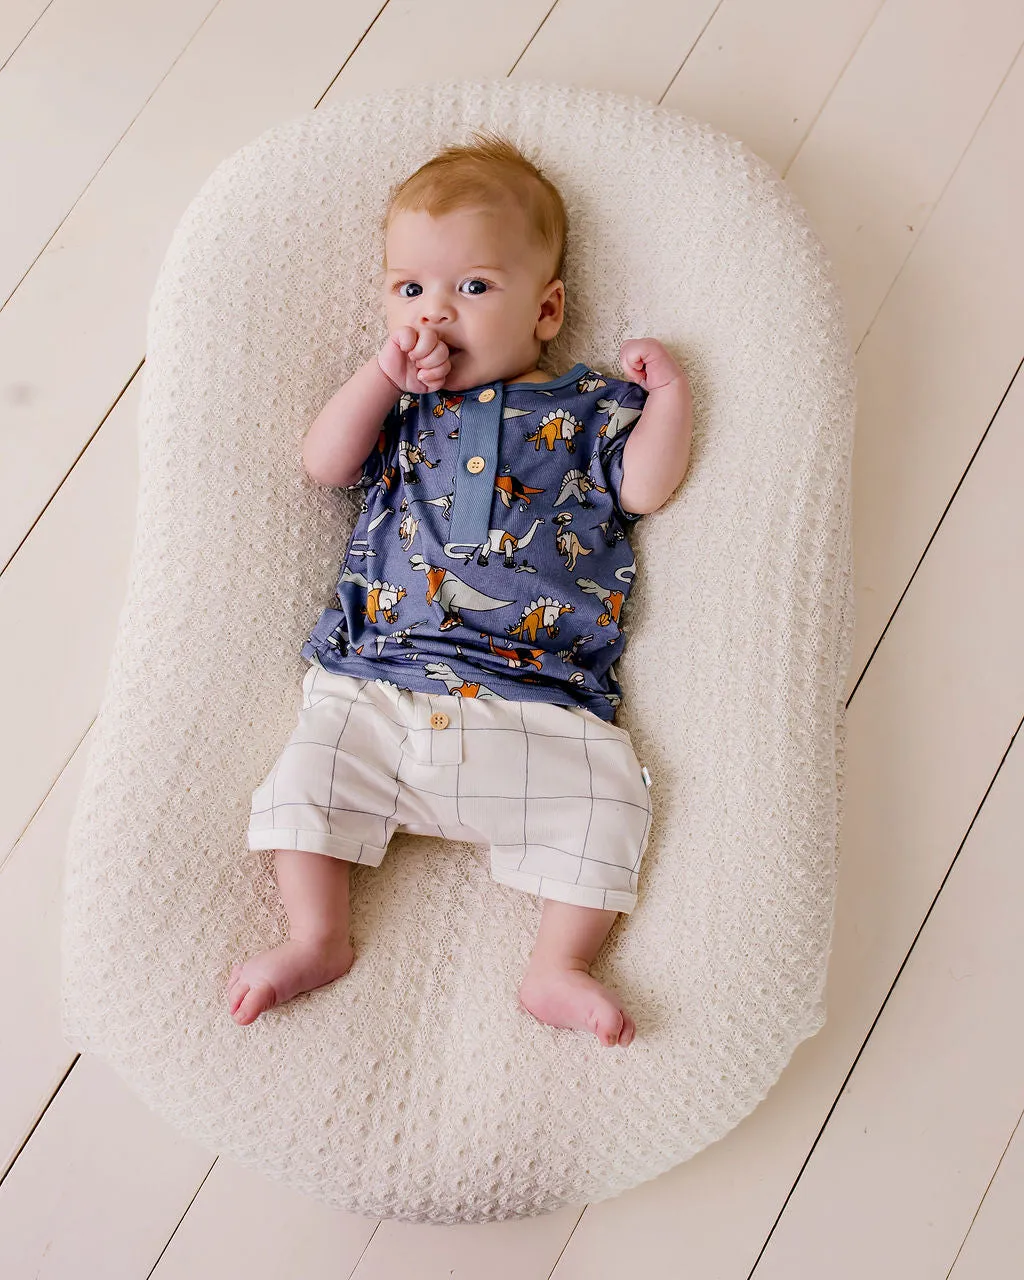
[646,776]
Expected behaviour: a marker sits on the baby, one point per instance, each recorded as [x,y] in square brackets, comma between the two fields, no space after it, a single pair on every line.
[462,685]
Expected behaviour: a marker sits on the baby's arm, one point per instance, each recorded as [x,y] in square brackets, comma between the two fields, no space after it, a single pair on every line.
[340,439]
[657,451]
[344,431]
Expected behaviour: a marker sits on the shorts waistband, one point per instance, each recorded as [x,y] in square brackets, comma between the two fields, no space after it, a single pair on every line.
[434,720]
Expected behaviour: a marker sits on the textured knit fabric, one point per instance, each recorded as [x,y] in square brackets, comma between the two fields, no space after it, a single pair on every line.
[491,556]
[555,793]
[415,1087]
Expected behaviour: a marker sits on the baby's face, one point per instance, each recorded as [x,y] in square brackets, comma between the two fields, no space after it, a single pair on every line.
[476,279]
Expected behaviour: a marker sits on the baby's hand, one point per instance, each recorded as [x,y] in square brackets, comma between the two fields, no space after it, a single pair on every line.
[647,362]
[415,361]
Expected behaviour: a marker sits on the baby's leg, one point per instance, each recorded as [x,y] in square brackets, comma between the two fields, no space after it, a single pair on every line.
[558,988]
[314,889]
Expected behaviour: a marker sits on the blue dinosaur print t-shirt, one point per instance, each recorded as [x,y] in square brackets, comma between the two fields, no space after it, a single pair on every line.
[491,556]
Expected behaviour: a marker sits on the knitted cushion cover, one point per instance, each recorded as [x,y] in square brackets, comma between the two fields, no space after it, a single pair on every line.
[415,1087]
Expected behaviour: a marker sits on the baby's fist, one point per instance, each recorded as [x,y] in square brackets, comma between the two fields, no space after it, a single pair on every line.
[647,362]
[415,361]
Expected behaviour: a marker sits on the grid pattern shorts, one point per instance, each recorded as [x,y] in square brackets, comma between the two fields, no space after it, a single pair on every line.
[556,792]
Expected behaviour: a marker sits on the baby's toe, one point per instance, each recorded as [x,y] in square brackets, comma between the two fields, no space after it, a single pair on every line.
[237,987]
[249,1001]
[237,992]
[607,1023]
[628,1030]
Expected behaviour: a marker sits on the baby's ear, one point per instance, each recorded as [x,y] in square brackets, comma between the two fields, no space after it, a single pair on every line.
[552,311]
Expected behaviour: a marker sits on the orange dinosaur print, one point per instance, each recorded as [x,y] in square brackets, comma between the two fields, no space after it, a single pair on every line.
[510,489]
[513,656]
[542,612]
[612,604]
[381,599]
[557,425]
[612,601]
[449,402]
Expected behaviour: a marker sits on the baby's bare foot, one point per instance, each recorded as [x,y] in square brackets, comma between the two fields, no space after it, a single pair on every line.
[572,998]
[274,976]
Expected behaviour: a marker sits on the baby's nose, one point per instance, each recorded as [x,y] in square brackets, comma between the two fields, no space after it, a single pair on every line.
[438,314]
[437,308]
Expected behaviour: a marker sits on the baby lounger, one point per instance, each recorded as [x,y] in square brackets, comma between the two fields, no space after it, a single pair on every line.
[415,1087]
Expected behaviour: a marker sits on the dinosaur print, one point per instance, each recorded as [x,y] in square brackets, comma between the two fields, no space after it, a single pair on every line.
[618,418]
[444,501]
[401,637]
[452,595]
[455,683]
[559,424]
[612,601]
[566,541]
[611,530]
[361,546]
[381,597]
[408,456]
[575,483]
[407,530]
[572,654]
[511,490]
[446,402]
[513,656]
[539,613]
[498,540]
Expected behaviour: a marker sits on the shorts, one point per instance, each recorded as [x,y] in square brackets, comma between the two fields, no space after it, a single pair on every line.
[557,792]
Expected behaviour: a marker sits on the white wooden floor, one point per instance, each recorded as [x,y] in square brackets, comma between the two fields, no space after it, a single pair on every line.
[891,1146]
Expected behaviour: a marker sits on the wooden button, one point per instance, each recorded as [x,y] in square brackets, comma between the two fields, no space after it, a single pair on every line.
[487,396]
[475,465]
[439,720]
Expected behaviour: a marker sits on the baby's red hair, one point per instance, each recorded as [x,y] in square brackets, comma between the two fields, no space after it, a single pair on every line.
[487,172]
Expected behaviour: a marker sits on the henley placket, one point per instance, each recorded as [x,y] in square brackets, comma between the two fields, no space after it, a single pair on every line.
[479,439]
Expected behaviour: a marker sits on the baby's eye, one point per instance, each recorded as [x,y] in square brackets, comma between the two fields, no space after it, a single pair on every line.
[481,283]
[412,285]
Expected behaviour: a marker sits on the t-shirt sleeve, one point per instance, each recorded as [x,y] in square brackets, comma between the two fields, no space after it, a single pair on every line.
[383,445]
[632,398]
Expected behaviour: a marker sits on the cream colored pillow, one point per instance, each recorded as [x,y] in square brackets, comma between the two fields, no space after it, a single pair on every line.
[415,1087]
